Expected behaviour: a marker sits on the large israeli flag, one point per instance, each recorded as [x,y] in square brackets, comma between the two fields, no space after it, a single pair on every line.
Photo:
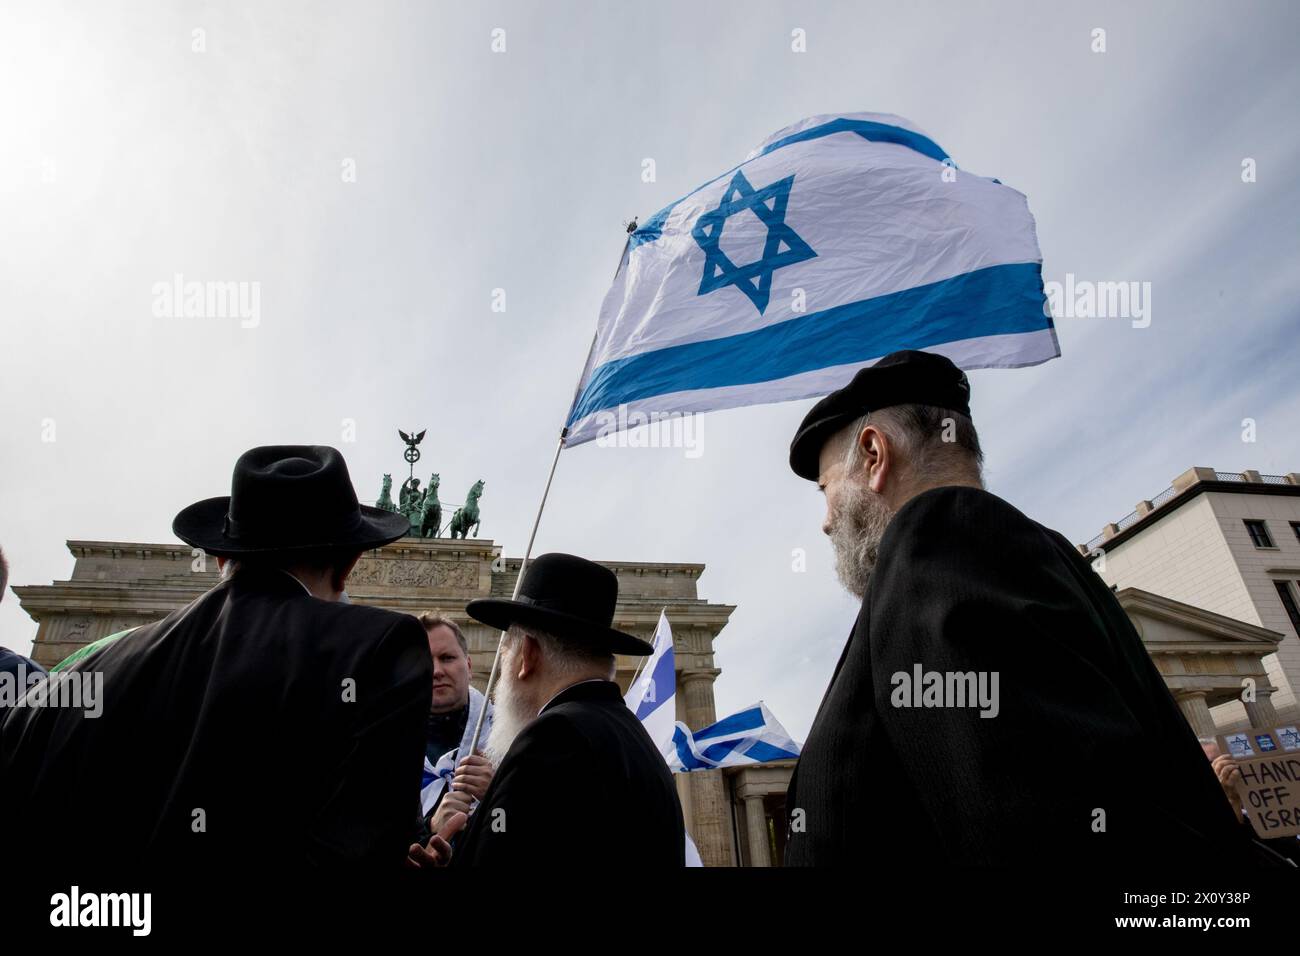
[750,736]
[840,239]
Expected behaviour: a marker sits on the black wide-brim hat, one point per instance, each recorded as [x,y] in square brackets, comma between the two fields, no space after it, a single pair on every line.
[287,498]
[908,377]
[568,597]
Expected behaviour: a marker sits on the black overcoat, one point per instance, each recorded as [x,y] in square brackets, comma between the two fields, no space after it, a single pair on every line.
[257,728]
[582,786]
[1088,759]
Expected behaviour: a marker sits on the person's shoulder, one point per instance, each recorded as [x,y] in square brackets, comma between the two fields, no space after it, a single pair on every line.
[11,661]
[364,617]
[958,500]
[548,745]
[960,516]
[952,534]
[565,728]
[355,631]
[564,719]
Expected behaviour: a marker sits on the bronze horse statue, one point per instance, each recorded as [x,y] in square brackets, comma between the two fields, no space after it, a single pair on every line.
[386,495]
[468,517]
[431,516]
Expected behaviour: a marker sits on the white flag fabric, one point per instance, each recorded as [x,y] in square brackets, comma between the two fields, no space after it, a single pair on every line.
[653,695]
[437,776]
[750,736]
[840,239]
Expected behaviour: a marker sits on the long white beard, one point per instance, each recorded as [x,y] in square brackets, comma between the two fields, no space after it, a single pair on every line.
[857,528]
[510,715]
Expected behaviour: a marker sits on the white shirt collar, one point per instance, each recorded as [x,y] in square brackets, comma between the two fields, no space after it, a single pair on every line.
[300,584]
[590,680]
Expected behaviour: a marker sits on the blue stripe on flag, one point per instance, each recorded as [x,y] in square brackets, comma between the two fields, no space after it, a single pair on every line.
[684,754]
[763,752]
[720,752]
[997,300]
[664,677]
[737,723]
[876,132]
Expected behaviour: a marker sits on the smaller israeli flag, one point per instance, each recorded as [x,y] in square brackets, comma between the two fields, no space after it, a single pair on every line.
[751,736]
[653,694]
[438,776]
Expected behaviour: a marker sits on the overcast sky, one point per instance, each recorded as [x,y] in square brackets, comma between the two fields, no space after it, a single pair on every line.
[129,157]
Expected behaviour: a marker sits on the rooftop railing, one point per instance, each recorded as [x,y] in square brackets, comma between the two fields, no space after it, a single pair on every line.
[1200,474]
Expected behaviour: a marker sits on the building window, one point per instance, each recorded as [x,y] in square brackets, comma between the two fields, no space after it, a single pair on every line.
[1295,526]
[1259,535]
[1288,602]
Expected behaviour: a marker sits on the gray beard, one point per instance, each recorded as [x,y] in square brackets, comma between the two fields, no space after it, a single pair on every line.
[857,527]
[510,715]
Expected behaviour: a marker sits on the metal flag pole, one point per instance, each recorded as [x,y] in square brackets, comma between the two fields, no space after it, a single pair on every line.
[537,520]
[523,566]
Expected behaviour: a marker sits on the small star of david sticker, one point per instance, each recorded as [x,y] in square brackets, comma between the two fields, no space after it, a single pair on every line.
[782,248]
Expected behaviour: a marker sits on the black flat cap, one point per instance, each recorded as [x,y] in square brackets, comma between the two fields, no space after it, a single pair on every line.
[900,378]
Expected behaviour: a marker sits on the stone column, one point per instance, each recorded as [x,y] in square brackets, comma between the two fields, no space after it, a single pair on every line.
[710,819]
[1261,712]
[756,825]
[683,784]
[1197,712]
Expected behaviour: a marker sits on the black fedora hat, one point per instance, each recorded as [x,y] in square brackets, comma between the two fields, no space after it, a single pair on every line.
[287,498]
[566,596]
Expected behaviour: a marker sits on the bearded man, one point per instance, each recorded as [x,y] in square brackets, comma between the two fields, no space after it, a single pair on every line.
[578,781]
[993,705]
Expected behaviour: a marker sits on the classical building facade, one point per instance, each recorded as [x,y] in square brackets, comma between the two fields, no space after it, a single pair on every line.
[1204,657]
[1226,543]
[117,585]
[758,808]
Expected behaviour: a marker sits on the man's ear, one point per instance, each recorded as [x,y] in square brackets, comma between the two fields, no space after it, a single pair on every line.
[877,457]
[530,656]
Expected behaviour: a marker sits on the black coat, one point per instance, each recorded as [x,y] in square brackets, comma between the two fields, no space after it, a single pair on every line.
[234,705]
[581,786]
[20,668]
[965,582]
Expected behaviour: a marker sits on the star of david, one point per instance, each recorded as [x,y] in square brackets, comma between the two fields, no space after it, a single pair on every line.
[782,248]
